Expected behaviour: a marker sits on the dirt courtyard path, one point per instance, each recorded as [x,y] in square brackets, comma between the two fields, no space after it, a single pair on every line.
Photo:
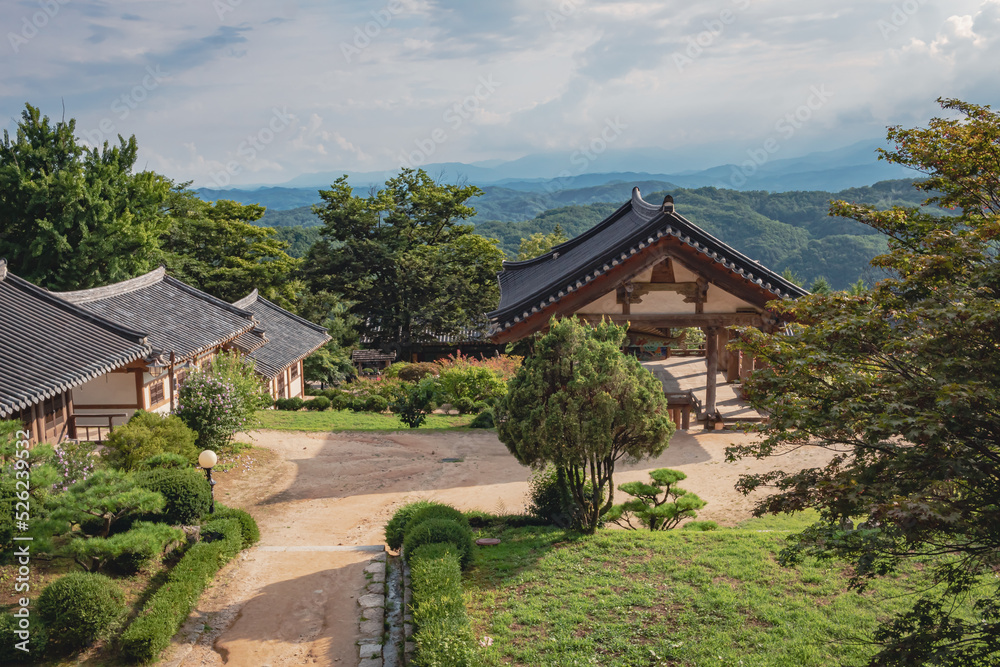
[278,608]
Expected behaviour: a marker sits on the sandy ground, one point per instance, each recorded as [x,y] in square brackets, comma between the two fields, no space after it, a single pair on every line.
[277,609]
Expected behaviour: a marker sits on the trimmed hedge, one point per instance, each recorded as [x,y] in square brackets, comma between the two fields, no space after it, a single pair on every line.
[443,635]
[159,620]
[440,530]
[80,607]
[290,404]
[251,533]
[436,511]
[318,404]
[395,530]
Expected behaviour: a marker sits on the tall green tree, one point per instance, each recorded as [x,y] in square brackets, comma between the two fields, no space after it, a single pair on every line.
[72,217]
[899,382]
[581,404]
[403,259]
[218,248]
[538,244]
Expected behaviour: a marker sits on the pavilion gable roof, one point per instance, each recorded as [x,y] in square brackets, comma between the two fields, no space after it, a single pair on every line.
[50,345]
[288,339]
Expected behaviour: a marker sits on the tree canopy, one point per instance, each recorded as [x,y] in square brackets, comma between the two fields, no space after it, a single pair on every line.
[899,382]
[218,248]
[538,243]
[73,217]
[402,259]
[578,402]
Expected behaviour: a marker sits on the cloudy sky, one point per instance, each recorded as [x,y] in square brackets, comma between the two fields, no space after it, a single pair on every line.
[260,91]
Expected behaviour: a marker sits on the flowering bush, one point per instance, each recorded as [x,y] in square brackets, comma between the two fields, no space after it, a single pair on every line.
[222,402]
[73,463]
[212,407]
[504,366]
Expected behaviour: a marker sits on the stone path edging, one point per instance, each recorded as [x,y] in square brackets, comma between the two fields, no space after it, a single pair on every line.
[372,621]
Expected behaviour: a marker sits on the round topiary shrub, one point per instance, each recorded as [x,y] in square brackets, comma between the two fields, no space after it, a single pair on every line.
[483,420]
[38,638]
[440,530]
[318,403]
[395,530]
[187,493]
[376,404]
[80,607]
[289,404]
[436,511]
[357,405]
[251,532]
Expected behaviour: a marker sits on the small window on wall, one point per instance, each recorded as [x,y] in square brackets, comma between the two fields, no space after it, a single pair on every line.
[281,386]
[156,393]
[295,371]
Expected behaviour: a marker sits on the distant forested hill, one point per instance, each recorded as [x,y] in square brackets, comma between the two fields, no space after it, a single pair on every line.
[784,230]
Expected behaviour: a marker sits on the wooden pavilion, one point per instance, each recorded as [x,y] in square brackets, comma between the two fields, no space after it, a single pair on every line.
[650,268]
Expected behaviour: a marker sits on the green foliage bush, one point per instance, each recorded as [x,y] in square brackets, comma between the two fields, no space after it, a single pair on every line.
[126,552]
[80,607]
[549,497]
[318,404]
[186,492]
[248,526]
[417,372]
[339,400]
[483,420]
[376,404]
[440,530]
[464,405]
[395,529]
[436,511]
[166,460]
[147,434]
[443,635]
[463,385]
[652,510]
[393,370]
[163,614]
[224,401]
[38,640]
[289,404]
[8,498]
[413,406]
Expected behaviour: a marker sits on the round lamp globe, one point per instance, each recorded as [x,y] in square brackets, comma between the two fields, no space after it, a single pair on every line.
[207,459]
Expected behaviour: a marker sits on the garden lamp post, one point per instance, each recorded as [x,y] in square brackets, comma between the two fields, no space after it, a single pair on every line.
[207,460]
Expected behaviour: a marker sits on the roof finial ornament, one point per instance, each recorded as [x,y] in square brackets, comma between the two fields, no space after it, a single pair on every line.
[668,204]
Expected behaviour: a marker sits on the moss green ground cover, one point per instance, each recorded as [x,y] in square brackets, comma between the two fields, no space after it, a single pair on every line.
[551,597]
[345,420]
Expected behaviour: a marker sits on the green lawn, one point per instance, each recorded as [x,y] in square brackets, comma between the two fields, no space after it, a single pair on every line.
[345,420]
[551,597]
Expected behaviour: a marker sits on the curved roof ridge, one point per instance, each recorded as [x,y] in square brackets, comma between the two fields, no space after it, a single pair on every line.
[300,320]
[248,299]
[577,240]
[114,289]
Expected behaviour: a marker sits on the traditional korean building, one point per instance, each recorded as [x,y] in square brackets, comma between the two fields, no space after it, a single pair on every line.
[649,267]
[279,344]
[49,348]
[186,326]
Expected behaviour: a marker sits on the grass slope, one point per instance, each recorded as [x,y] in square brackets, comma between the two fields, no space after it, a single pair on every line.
[345,420]
[551,597]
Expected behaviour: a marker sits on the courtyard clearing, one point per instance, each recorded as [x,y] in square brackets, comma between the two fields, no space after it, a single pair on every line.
[313,491]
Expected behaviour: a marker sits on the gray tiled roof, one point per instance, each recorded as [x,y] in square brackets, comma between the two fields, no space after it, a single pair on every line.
[289,337]
[529,286]
[180,318]
[48,345]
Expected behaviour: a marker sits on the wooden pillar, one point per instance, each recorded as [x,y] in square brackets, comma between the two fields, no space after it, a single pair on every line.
[733,365]
[746,365]
[38,410]
[70,421]
[712,363]
[723,352]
